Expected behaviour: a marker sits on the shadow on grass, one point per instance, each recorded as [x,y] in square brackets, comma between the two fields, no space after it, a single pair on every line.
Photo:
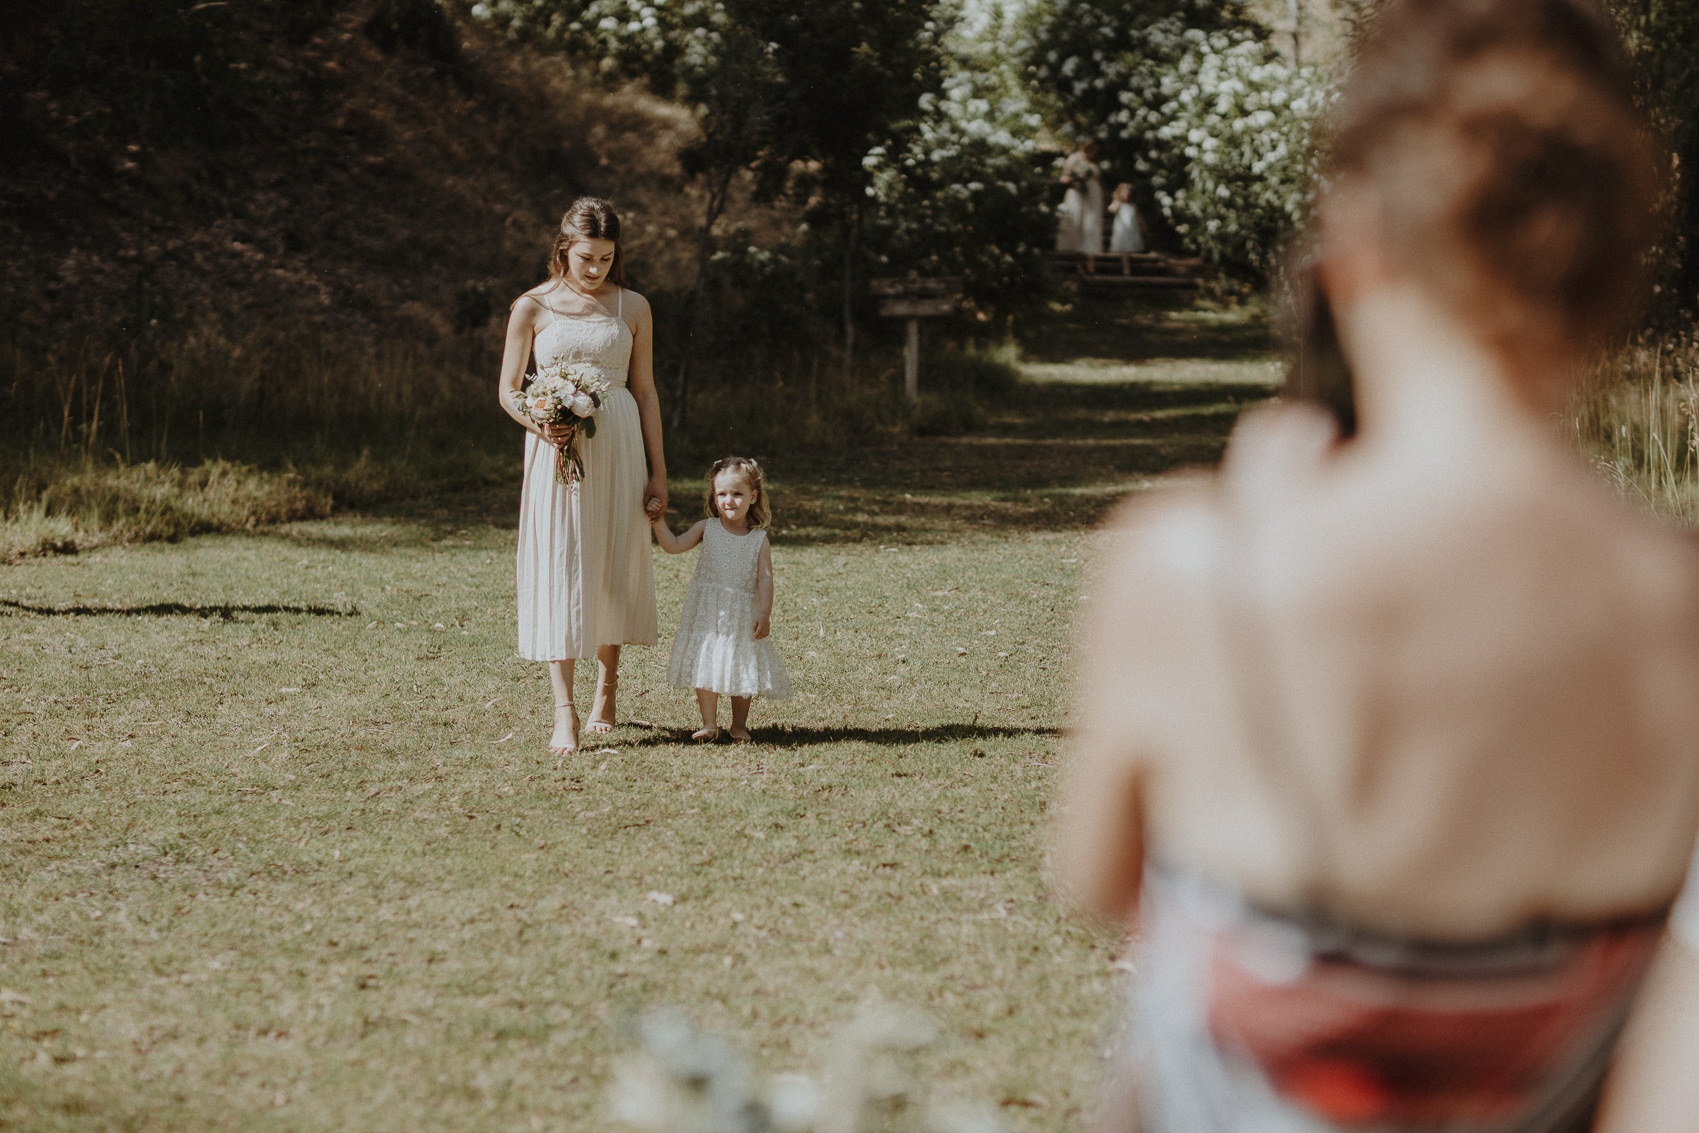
[1054,457]
[1152,327]
[1091,425]
[224,611]
[784,735]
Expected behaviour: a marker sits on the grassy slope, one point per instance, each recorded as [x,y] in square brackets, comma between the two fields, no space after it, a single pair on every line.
[282,853]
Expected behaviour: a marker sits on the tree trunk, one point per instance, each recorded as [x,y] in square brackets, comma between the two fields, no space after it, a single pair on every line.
[852,236]
[718,189]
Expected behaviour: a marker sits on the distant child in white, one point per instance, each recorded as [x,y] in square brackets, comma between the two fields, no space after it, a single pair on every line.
[1126,233]
[722,647]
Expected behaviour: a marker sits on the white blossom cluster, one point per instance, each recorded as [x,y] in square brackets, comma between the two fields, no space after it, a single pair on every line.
[960,196]
[1232,161]
[637,36]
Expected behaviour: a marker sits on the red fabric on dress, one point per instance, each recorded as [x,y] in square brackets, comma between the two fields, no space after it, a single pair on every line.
[1360,1044]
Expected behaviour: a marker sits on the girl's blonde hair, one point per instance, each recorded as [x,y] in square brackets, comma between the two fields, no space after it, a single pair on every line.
[759,513]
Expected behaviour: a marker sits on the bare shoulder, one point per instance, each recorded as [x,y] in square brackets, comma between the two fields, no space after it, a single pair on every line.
[1164,535]
[636,307]
[529,308]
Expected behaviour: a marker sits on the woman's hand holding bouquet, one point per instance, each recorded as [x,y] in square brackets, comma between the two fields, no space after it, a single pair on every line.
[569,395]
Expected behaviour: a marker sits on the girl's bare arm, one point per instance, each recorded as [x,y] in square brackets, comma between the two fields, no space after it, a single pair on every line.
[677,544]
[763,591]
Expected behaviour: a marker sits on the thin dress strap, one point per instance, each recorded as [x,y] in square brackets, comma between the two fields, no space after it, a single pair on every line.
[619,312]
[554,315]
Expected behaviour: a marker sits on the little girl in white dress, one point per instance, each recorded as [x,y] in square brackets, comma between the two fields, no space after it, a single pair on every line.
[722,647]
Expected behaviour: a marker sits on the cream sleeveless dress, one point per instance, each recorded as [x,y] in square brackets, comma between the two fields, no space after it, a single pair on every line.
[716,647]
[584,571]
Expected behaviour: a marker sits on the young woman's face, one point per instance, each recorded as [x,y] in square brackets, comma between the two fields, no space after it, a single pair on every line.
[588,263]
[733,493]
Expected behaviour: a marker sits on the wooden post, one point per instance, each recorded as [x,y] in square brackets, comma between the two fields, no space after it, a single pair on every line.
[911,362]
[914,298]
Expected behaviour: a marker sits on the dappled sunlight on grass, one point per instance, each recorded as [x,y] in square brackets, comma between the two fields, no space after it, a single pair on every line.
[281,843]
[245,854]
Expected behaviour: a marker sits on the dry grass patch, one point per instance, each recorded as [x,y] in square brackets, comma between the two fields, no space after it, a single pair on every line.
[1637,419]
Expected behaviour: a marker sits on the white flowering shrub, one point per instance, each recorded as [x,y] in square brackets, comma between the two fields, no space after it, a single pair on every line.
[633,37]
[1194,107]
[962,197]
[1226,134]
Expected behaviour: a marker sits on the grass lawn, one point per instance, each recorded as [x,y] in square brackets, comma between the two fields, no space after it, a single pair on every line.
[284,849]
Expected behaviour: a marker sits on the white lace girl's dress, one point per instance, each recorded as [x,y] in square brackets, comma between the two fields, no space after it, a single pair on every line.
[716,647]
[584,573]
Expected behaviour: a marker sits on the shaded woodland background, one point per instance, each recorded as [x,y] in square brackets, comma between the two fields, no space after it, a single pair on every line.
[258,251]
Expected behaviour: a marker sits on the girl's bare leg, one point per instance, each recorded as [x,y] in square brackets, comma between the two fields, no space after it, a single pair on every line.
[709,704]
[607,680]
[740,717]
[564,741]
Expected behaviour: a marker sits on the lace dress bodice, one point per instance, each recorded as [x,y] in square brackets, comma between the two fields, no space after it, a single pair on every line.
[728,562]
[604,341]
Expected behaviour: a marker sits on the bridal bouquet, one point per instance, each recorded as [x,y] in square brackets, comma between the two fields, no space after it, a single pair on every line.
[568,393]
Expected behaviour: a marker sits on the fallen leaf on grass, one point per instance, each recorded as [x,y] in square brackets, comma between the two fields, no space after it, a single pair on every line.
[662,899]
[627,921]
[7,995]
[505,738]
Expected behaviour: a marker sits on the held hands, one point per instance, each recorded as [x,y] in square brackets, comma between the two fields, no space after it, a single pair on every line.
[655,497]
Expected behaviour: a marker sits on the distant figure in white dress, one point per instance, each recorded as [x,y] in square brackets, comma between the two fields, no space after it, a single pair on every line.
[1080,219]
[585,583]
[1126,229]
[722,647]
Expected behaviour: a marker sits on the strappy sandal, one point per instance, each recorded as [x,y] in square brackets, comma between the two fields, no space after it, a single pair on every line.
[604,699]
[568,748]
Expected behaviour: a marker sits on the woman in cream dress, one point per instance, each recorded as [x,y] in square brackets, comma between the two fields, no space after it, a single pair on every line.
[585,584]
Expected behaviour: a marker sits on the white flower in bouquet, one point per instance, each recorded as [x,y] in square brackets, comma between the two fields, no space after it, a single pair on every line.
[565,393]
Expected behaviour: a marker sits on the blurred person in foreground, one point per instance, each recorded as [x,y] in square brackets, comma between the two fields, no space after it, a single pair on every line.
[1387,739]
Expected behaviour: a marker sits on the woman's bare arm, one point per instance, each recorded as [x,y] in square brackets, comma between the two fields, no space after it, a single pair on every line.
[515,356]
[1098,847]
[641,382]
[1654,1082]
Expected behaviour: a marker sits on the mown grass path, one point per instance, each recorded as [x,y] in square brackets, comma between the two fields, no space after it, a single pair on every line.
[283,848]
